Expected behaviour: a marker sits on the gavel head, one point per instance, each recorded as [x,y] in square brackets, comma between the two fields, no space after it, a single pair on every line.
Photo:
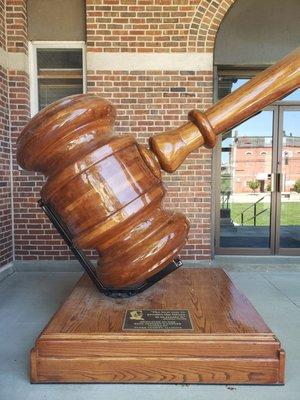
[106,189]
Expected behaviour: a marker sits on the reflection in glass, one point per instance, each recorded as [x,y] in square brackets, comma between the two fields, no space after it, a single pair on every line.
[294,96]
[290,181]
[59,74]
[246,162]
[246,166]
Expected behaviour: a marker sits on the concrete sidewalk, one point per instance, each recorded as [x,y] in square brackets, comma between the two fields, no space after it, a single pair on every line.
[28,300]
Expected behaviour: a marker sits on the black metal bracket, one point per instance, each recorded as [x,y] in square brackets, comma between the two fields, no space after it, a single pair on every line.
[89,267]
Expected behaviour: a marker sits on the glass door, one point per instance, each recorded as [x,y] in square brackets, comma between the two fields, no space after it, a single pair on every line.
[247,164]
[288,181]
[257,183]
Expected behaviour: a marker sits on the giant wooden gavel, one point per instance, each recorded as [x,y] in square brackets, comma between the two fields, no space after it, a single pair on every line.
[107,189]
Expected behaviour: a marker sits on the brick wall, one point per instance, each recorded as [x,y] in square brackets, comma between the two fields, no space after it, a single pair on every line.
[135,26]
[2,25]
[16,26]
[153,26]
[6,239]
[148,102]
[33,233]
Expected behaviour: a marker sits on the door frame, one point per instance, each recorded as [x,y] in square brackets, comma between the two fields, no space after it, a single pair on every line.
[274,248]
[216,193]
[290,106]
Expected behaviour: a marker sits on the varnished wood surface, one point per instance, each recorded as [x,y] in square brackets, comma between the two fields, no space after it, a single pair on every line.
[171,148]
[105,188]
[215,305]
[230,343]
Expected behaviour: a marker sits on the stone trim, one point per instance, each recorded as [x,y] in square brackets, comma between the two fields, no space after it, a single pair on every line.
[13,61]
[149,62]
[7,270]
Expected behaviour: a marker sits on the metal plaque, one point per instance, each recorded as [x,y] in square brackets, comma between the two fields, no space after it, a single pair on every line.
[156,320]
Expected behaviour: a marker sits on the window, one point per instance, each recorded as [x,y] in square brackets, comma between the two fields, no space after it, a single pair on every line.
[248,153]
[263,153]
[57,70]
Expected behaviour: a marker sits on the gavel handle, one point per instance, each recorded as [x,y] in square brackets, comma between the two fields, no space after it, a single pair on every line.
[172,147]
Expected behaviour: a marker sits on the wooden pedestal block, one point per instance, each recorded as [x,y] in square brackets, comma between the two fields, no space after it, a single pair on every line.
[229,343]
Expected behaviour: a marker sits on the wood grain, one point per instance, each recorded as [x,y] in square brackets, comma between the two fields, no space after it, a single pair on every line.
[172,147]
[230,343]
[106,189]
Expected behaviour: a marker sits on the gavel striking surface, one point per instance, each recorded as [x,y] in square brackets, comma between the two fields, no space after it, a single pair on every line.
[106,189]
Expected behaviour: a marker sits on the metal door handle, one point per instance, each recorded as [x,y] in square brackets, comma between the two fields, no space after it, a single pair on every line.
[273,182]
[280,182]
[278,186]
[276,182]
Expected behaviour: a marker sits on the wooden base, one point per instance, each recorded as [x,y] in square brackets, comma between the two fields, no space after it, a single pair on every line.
[230,343]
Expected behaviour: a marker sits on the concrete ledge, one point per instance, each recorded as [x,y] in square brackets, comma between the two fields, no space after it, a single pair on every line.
[48,266]
[258,263]
[274,260]
[230,263]
[74,266]
[7,270]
